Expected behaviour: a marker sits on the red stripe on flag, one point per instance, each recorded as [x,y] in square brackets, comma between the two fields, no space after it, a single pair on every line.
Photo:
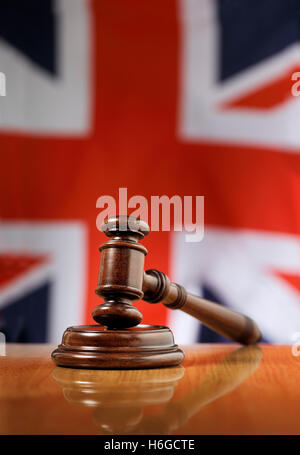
[14,265]
[267,96]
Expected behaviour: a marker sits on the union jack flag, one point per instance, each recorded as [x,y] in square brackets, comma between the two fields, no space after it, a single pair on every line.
[186,97]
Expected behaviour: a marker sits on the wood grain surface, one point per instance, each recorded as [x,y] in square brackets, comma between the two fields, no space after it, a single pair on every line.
[220,389]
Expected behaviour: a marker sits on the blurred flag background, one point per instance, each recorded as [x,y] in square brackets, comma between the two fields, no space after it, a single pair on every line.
[186,97]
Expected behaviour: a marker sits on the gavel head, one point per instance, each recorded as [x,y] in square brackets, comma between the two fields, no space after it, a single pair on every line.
[121,272]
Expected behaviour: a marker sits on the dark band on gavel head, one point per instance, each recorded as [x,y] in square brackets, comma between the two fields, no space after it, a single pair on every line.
[122,280]
[159,293]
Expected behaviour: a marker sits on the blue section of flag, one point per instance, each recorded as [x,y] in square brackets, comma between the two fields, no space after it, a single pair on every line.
[29,26]
[25,320]
[253,30]
[207,335]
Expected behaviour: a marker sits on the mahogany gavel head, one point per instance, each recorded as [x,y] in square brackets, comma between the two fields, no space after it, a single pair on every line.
[121,272]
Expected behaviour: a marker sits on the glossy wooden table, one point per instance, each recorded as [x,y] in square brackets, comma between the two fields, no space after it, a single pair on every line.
[221,389]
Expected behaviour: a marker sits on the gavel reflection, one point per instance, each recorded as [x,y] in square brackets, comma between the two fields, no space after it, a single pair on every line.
[120,397]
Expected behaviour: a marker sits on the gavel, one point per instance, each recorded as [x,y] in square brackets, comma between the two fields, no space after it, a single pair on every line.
[119,341]
[122,280]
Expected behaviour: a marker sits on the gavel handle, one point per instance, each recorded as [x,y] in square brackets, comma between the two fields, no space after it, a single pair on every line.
[226,322]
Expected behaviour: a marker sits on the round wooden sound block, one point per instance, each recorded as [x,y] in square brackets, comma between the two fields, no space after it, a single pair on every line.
[95,347]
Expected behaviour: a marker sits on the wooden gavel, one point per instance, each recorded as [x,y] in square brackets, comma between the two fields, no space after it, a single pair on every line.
[122,280]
